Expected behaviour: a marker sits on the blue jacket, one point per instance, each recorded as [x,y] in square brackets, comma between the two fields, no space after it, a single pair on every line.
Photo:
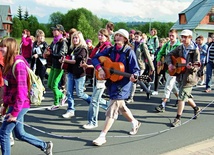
[120,90]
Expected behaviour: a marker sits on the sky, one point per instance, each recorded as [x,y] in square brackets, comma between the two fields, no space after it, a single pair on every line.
[147,10]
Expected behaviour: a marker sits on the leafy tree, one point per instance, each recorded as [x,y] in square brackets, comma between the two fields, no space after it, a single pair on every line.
[56,18]
[26,15]
[85,28]
[19,13]
[25,24]
[120,25]
[17,28]
[33,24]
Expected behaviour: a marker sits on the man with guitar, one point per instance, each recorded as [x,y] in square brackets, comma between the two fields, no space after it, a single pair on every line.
[118,87]
[170,80]
[186,74]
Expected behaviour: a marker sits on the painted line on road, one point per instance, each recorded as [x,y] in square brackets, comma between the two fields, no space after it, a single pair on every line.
[127,136]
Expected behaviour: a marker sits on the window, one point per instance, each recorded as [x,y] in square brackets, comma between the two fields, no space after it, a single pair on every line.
[211,18]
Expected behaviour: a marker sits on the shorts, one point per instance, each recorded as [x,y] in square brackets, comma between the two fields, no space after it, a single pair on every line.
[115,108]
[185,93]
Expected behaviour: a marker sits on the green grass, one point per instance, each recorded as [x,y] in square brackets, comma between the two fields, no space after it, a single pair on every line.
[48,40]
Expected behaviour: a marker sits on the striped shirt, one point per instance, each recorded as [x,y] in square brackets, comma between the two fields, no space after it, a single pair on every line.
[211,53]
[16,89]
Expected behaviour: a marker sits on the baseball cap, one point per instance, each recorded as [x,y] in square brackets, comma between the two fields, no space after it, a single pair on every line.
[186,33]
[132,31]
[58,27]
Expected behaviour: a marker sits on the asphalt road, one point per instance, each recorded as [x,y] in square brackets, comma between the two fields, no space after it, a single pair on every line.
[155,135]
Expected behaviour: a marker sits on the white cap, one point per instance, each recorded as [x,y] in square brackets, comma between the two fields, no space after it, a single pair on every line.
[123,32]
[186,33]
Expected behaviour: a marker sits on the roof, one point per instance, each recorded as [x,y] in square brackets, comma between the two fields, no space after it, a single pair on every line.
[4,9]
[195,13]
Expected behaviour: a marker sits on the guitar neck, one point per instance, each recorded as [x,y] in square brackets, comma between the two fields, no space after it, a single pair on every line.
[113,71]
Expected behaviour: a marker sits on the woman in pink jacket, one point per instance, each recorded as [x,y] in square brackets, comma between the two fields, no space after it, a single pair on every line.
[16,100]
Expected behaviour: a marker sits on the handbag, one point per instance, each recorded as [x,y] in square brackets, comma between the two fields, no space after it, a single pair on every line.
[65,65]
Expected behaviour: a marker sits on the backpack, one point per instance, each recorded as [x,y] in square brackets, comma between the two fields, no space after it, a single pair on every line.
[35,86]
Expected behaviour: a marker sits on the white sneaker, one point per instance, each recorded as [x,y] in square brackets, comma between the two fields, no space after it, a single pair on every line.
[11,140]
[141,90]
[63,100]
[68,114]
[155,93]
[99,141]
[53,107]
[89,126]
[135,129]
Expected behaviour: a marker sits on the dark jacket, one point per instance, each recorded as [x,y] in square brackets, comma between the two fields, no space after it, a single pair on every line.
[57,51]
[79,54]
[189,77]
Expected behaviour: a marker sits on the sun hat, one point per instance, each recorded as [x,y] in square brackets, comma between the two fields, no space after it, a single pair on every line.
[123,32]
[186,33]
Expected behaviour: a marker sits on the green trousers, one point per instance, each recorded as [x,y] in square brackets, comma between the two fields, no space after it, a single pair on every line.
[54,78]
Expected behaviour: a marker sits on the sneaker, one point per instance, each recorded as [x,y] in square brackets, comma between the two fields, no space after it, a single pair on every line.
[176,122]
[104,106]
[129,101]
[201,83]
[155,93]
[53,107]
[63,100]
[141,90]
[99,141]
[160,108]
[135,129]
[89,126]
[68,114]
[49,148]
[196,113]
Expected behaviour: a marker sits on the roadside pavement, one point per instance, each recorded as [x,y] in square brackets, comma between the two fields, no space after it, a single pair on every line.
[201,148]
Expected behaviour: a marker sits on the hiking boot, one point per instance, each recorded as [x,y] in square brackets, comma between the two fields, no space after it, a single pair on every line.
[89,126]
[176,122]
[129,101]
[49,148]
[160,108]
[63,100]
[196,113]
[99,141]
[53,107]
[68,114]
[135,129]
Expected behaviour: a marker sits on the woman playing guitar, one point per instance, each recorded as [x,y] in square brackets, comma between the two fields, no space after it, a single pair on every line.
[118,90]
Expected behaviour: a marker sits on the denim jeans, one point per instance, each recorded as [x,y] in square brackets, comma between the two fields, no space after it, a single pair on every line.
[94,105]
[79,85]
[18,128]
[210,66]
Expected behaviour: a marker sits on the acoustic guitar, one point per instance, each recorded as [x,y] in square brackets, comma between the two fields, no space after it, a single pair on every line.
[180,66]
[115,71]
[160,68]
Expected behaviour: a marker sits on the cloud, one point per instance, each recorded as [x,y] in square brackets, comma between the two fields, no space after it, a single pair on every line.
[159,10]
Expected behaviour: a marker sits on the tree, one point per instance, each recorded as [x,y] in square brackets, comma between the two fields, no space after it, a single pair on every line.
[26,15]
[56,18]
[17,28]
[33,24]
[19,13]
[85,28]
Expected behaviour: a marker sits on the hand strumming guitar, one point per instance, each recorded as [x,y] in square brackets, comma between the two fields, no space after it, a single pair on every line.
[101,74]
[133,78]
[171,67]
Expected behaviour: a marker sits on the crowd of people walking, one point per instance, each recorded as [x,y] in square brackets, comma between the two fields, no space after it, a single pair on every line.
[115,66]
